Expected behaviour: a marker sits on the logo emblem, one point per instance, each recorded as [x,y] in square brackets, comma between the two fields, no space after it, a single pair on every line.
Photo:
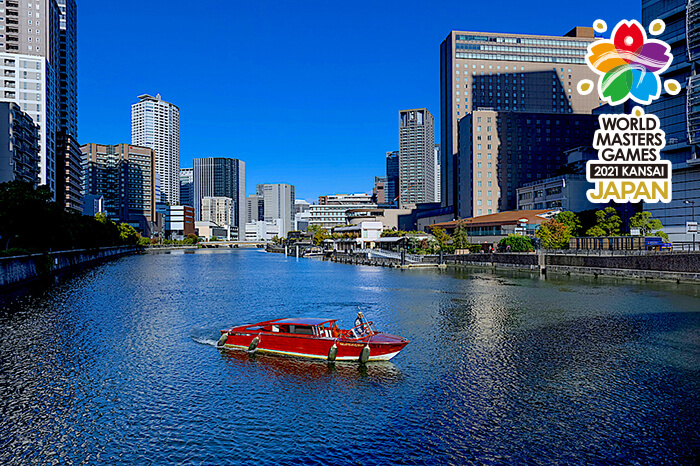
[629,64]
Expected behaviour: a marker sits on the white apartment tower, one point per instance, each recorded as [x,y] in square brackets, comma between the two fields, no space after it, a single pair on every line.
[155,123]
[416,156]
[218,210]
[278,200]
[29,62]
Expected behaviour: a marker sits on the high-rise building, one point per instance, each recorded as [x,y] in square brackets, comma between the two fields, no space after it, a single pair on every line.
[254,208]
[501,151]
[155,123]
[19,145]
[438,155]
[68,157]
[278,200]
[124,175]
[69,173]
[507,72]
[392,176]
[679,115]
[221,177]
[30,66]
[416,156]
[187,186]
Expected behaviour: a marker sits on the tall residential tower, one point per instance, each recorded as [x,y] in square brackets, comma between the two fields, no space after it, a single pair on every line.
[155,123]
[29,63]
[278,201]
[416,156]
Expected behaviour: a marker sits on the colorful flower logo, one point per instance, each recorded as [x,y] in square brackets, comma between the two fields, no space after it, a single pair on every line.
[629,64]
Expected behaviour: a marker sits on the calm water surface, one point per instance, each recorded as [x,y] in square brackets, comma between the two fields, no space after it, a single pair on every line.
[116,365]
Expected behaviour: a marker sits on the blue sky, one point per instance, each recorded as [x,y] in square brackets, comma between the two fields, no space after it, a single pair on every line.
[305,92]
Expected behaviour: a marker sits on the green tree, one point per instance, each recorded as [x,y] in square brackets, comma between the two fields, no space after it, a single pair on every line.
[554,234]
[441,236]
[571,220]
[143,241]
[191,239]
[461,236]
[607,222]
[648,226]
[595,231]
[517,243]
[127,234]
[320,234]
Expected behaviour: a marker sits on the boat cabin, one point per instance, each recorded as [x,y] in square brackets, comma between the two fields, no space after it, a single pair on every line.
[323,328]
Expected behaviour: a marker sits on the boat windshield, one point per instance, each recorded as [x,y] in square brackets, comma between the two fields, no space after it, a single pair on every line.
[363,330]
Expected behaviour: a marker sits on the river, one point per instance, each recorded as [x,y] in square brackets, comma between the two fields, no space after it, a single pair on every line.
[117,365]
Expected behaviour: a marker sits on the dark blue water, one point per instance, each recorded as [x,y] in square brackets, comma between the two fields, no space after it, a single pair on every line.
[116,365]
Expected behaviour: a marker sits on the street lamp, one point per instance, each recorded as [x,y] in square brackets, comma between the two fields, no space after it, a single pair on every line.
[692,203]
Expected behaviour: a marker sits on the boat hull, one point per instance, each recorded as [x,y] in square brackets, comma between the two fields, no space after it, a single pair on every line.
[382,347]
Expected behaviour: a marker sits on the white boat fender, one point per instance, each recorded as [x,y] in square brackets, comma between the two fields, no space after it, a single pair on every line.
[254,344]
[222,340]
[333,352]
[364,355]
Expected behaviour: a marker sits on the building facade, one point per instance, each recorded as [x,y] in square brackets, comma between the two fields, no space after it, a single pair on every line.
[254,208]
[69,173]
[19,145]
[218,210]
[416,156]
[30,62]
[392,176]
[507,72]
[221,177]
[342,199]
[330,215]
[187,187]
[278,202]
[155,123]
[502,151]
[124,175]
[438,173]
[679,115]
[68,157]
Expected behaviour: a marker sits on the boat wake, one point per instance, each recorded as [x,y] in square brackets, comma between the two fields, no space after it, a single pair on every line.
[204,341]
[205,336]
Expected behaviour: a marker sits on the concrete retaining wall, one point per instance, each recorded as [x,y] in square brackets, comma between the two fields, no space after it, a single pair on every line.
[14,270]
[671,262]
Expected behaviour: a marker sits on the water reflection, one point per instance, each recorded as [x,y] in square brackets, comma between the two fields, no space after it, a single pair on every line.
[311,371]
[117,364]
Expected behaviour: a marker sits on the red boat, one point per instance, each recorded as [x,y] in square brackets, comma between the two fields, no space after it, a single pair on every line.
[314,338]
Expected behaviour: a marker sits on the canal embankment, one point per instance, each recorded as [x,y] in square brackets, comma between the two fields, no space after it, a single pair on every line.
[21,269]
[682,266]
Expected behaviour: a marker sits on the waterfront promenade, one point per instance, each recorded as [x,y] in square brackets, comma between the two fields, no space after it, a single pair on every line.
[680,266]
[117,364]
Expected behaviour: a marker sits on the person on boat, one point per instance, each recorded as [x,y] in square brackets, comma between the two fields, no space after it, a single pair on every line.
[360,319]
[360,327]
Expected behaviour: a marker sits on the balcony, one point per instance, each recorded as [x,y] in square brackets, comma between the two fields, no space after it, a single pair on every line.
[9,95]
[12,39]
[9,73]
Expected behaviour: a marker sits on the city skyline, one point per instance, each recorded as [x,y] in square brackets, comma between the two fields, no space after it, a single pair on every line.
[321,149]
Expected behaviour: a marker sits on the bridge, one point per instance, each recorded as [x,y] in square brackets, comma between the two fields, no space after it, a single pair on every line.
[233,244]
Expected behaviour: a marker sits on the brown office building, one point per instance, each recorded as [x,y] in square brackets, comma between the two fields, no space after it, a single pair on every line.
[125,175]
[507,73]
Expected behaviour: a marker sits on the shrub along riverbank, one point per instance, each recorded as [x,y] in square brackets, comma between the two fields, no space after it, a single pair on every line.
[30,222]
